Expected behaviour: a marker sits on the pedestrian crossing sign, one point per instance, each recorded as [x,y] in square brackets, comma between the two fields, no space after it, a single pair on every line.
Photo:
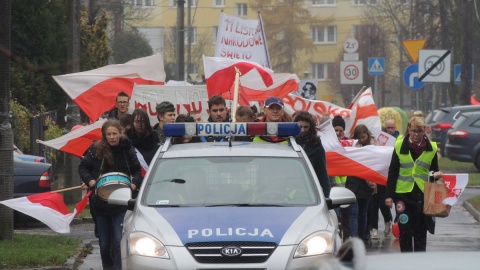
[376,66]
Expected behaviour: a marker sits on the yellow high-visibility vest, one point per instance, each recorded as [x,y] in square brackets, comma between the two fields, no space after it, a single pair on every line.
[258,139]
[413,172]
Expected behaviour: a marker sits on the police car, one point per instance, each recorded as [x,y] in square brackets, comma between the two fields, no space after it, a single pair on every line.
[230,205]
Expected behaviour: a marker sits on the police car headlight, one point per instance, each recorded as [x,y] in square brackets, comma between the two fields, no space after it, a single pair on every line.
[317,243]
[144,244]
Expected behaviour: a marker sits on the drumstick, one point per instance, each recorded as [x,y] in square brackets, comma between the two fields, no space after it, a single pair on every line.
[65,189]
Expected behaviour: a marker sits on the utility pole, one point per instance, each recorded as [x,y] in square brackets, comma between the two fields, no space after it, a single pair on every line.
[6,135]
[466,53]
[189,40]
[73,113]
[180,40]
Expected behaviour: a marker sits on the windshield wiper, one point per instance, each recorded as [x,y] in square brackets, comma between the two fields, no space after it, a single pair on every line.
[243,205]
[164,205]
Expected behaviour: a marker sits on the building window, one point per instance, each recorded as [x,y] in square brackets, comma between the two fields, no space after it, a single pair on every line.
[324,2]
[215,33]
[364,2]
[320,71]
[173,3]
[193,37]
[327,35]
[143,3]
[218,3]
[241,9]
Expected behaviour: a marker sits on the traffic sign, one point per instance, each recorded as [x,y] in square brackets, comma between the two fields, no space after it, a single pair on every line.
[351,72]
[410,77]
[350,45]
[427,58]
[457,73]
[412,47]
[376,66]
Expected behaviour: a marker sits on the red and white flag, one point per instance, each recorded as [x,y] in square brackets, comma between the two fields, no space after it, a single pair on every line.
[77,141]
[364,112]
[369,162]
[256,83]
[95,91]
[455,183]
[49,208]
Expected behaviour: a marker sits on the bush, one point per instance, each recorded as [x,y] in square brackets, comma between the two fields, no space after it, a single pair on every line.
[20,125]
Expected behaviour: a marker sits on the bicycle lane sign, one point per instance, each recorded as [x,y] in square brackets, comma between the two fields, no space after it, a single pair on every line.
[351,72]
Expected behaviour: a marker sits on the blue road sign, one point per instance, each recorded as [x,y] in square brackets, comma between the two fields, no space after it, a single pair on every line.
[376,66]
[457,73]
[410,77]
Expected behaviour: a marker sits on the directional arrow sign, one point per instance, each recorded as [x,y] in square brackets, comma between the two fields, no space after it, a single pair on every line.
[376,66]
[410,77]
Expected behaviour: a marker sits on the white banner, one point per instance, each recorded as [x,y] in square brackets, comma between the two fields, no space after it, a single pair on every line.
[185,98]
[242,40]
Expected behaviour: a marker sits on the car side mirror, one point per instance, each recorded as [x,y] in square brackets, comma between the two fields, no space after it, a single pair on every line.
[340,196]
[122,196]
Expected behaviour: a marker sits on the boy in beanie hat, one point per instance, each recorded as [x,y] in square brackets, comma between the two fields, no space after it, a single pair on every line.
[339,125]
[165,114]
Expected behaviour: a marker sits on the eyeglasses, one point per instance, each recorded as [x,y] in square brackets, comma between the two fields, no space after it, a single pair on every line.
[419,131]
[218,110]
[122,102]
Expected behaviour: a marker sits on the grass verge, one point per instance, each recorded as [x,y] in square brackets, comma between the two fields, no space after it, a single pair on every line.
[29,251]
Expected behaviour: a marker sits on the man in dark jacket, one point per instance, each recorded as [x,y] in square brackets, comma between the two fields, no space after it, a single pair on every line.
[165,114]
[218,112]
[121,107]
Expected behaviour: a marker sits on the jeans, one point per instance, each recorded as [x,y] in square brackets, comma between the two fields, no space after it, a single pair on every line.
[110,234]
[358,218]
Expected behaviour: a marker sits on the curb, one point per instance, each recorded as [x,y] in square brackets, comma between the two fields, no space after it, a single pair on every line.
[474,212]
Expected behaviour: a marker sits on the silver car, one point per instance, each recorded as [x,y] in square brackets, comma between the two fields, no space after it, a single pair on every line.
[230,205]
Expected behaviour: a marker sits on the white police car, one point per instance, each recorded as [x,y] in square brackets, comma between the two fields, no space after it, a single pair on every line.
[230,205]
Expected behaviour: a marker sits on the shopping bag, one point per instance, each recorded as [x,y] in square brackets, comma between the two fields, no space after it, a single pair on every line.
[433,205]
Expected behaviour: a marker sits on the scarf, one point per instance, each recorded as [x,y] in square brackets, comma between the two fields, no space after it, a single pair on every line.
[417,148]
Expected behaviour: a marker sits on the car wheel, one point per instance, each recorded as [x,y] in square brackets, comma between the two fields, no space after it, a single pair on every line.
[477,162]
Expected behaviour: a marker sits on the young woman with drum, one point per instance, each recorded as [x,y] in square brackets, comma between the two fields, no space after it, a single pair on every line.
[109,164]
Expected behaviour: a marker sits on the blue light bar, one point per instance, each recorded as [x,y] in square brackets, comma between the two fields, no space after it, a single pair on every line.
[231,129]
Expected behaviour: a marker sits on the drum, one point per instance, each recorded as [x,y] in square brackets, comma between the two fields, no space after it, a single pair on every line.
[109,182]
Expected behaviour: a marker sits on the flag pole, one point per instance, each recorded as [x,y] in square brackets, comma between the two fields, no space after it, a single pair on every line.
[235,94]
[66,189]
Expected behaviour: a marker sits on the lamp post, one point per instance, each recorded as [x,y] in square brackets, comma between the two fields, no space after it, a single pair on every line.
[180,40]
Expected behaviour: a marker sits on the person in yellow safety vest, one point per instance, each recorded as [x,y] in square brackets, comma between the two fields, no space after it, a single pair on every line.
[414,161]
[274,112]
[340,181]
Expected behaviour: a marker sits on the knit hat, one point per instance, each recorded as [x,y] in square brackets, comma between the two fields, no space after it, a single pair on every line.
[164,107]
[338,121]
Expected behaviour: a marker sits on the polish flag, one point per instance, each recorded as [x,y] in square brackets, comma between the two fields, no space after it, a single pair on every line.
[220,73]
[95,91]
[49,208]
[455,184]
[369,162]
[365,112]
[77,141]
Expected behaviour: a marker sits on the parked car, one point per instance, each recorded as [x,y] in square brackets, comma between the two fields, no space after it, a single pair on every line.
[463,142]
[19,154]
[29,178]
[443,121]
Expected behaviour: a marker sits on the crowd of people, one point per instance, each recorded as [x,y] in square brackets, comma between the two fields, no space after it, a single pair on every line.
[414,161]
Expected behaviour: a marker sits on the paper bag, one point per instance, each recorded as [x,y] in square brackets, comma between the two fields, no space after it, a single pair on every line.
[434,194]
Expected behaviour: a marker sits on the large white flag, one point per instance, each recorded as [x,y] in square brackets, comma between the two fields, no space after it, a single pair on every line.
[95,91]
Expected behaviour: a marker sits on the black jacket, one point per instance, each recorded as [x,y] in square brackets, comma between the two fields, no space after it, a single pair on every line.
[125,161]
[146,145]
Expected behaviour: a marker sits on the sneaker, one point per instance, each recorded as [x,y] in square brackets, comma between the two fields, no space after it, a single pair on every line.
[388,228]
[374,233]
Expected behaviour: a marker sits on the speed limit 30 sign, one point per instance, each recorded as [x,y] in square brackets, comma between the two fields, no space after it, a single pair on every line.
[351,72]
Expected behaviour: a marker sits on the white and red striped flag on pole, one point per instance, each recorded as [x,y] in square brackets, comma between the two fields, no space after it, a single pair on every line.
[455,183]
[95,91]
[257,83]
[49,208]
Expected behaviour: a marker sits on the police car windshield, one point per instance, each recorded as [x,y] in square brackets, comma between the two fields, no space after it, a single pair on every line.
[234,181]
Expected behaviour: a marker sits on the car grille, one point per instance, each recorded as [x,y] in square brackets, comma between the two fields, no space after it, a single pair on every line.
[211,252]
